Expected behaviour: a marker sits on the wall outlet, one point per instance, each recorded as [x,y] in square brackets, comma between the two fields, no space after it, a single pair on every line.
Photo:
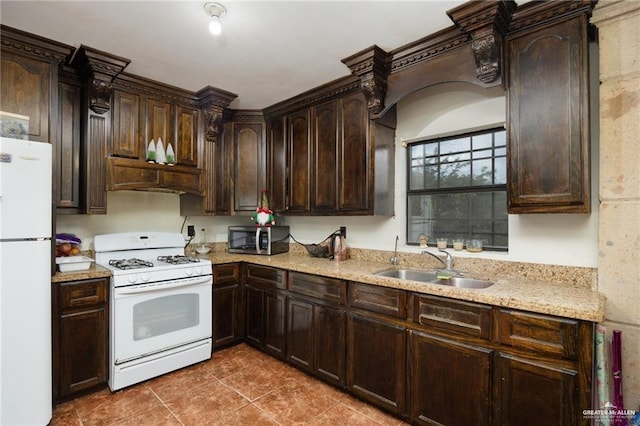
[191,231]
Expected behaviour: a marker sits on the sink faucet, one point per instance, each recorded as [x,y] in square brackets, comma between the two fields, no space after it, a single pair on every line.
[448,263]
[394,258]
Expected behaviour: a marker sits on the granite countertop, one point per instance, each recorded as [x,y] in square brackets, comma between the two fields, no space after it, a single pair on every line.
[527,294]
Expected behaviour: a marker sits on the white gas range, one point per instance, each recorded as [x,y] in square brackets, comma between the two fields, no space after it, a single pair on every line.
[161,305]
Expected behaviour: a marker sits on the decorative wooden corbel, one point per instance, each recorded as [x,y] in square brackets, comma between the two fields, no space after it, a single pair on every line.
[485,22]
[372,67]
[212,122]
[487,51]
[97,70]
[212,102]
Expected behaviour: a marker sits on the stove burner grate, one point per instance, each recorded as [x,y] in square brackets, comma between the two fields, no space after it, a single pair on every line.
[178,259]
[130,263]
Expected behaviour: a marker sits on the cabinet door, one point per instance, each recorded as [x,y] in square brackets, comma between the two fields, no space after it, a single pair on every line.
[254,315]
[536,393]
[225,314]
[376,362]
[158,123]
[83,358]
[300,331]
[26,90]
[80,336]
[277,164]
[186,147]
[329,325]
[216,177]
[126,125]
[449,382]
[67,150]
[299,162]
[249,166]
[325,158]
[548,112]
[355,178]
[275,324]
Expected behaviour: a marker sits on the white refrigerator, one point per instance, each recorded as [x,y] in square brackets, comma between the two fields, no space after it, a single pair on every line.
[25,282]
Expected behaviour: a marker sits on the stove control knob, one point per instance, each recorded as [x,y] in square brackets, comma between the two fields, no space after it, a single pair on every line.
[145,277]
[188,272]
[198,270]
[133,278]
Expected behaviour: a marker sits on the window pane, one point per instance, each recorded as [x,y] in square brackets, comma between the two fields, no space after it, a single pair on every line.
[482,173]
[482,141]
[500,138]
[500,171]
[485,153]
[416,179]
[417,151]
[455,145]
[455,174]
[458,215]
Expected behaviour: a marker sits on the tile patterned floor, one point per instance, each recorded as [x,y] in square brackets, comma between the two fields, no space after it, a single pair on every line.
[238,386]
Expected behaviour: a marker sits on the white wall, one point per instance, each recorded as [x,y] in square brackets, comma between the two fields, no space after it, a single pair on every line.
[444,109]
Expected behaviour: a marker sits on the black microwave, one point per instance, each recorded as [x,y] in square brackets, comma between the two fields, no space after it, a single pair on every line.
[265,240]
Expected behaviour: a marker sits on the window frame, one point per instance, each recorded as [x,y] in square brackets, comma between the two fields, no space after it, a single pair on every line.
[468,189]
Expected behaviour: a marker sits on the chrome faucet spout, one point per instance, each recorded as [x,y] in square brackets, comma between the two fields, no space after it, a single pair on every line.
[394,258]
[435,257]
[448,264]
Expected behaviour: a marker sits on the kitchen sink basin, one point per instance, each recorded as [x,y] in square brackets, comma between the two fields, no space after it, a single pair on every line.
[462,282]
[432,278]
[409,274]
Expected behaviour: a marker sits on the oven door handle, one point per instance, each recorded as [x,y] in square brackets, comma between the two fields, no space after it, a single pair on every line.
[146,288]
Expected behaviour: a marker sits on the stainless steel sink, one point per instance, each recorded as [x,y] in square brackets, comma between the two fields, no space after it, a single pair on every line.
[431,278]
[462,282]
[409,274]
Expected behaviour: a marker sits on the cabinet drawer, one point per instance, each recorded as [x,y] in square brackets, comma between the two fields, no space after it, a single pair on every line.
[469,319]
[265,277]
[226,274]
[322,288]
[541,333]
[82,293]
[382,300]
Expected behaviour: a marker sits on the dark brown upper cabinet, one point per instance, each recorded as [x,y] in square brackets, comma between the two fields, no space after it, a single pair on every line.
[29,83]
[126,124]
[548,119]
[248,146]
[336,160]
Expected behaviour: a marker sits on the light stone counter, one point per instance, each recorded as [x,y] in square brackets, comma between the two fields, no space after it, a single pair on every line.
[547,296]
[519,293]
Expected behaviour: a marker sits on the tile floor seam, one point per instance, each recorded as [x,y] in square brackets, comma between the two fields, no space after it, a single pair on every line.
[267,414]
[165,405]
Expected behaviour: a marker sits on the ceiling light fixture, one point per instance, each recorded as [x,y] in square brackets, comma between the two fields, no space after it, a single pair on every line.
[216,11]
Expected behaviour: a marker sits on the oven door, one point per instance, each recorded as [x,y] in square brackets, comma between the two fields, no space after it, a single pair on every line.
[148,319]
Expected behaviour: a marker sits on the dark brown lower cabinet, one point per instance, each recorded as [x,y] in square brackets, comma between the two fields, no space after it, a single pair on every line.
[255,307]
[376,357]
[227,304]
[533,392]
[449,382]
[265,316]
[275,337]
[80,336]
[316,339]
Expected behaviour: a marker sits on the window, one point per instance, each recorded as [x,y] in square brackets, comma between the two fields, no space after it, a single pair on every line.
[457,189]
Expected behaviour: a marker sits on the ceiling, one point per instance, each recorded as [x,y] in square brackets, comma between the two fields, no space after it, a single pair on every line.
[268,51]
